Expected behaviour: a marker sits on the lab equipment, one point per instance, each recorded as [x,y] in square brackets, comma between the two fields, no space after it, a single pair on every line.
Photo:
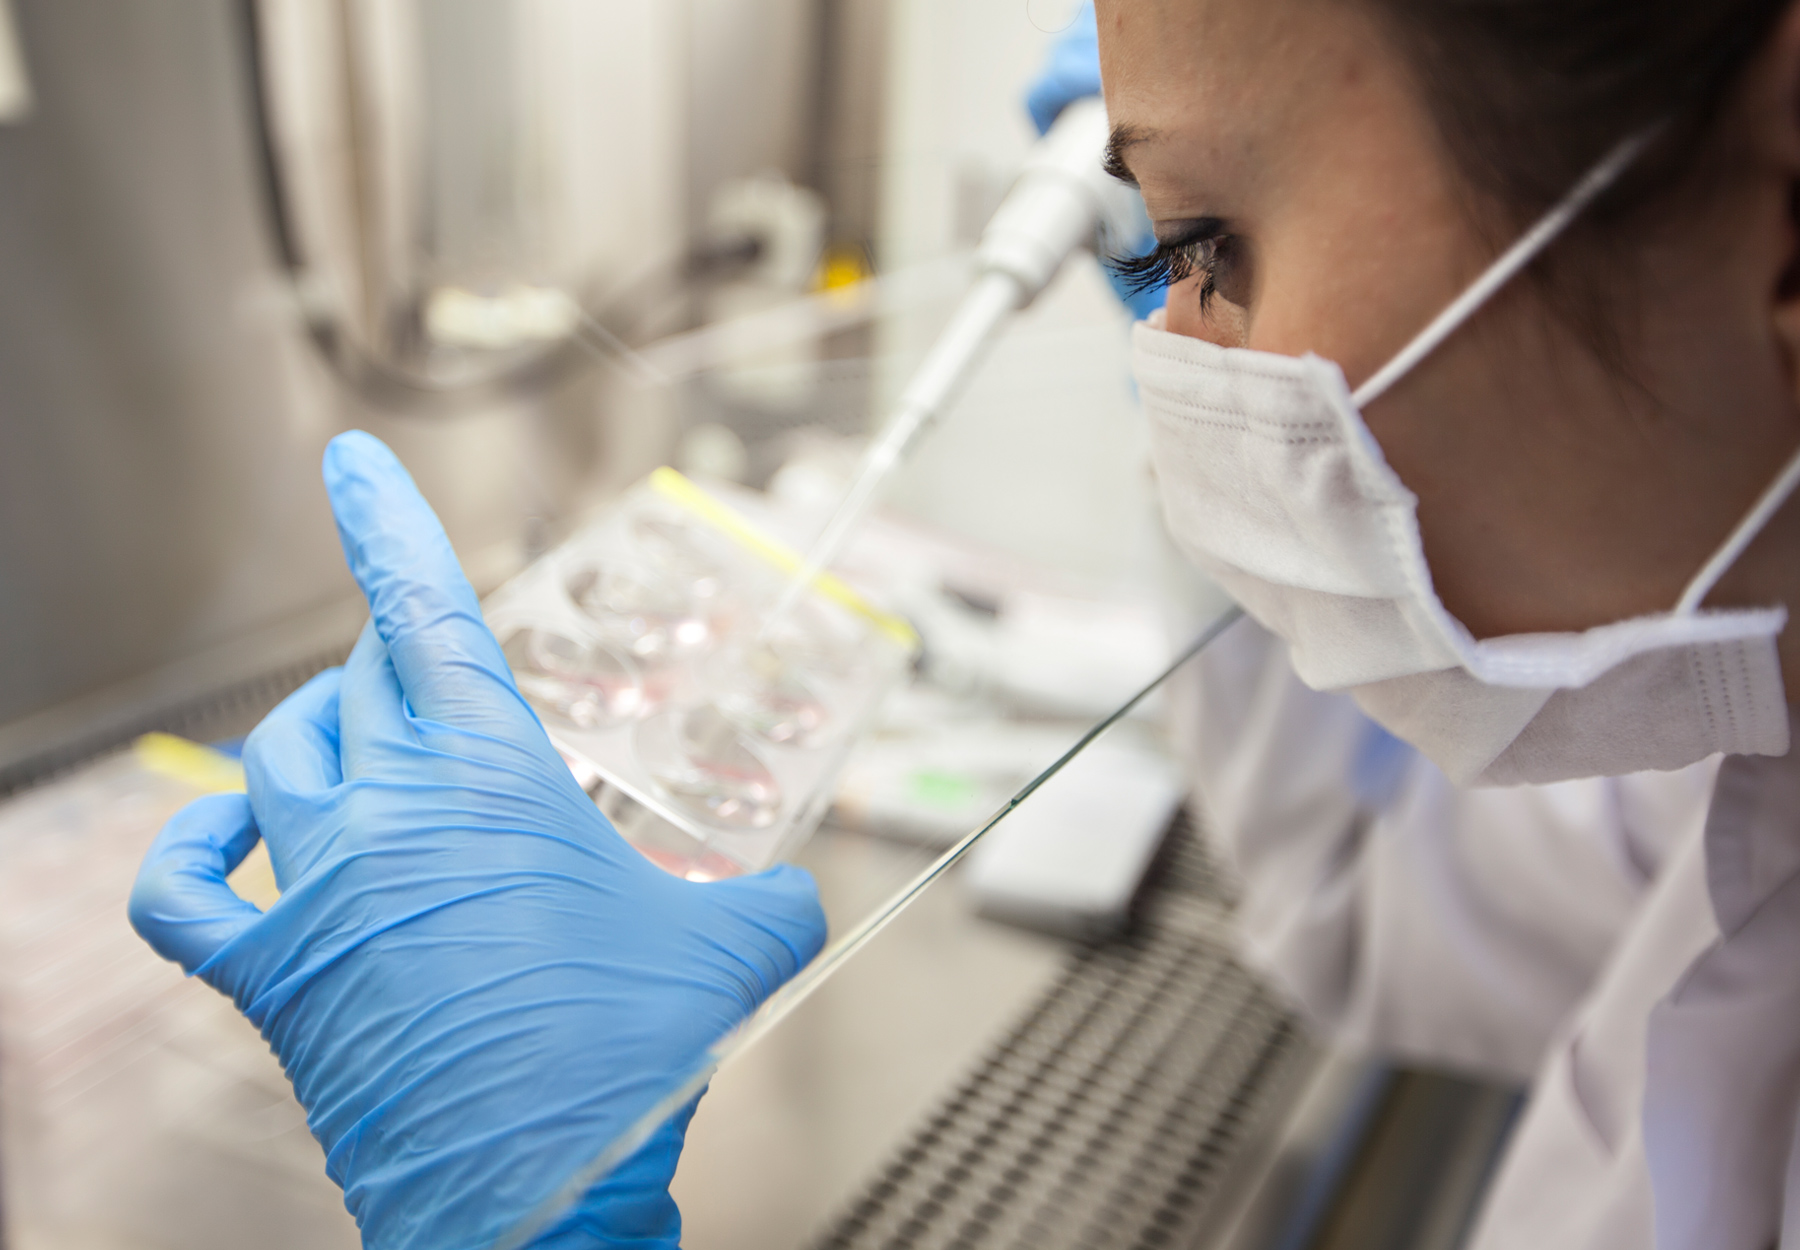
[414,298]
[1063,199]
[469,977]
[680,1091]
[713,747]
[933,784]
[1072,863]
[1069,73]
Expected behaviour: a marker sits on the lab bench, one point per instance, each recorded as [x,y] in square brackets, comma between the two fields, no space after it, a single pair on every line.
[961,1084]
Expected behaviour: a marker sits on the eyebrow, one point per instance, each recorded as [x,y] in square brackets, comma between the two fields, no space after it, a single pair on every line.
[1121,141]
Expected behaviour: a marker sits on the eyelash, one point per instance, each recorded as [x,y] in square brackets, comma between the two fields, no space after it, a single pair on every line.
[1201,252]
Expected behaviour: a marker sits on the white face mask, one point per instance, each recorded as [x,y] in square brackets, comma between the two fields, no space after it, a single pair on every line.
[1274,485]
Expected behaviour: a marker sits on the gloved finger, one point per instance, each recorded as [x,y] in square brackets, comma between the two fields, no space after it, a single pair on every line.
[783,926]
[180,903]
[1071,72]
[295,749]
[371,706]
[449,663]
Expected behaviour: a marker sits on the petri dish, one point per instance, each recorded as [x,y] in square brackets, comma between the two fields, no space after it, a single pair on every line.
[827,645]
[675,850]
[682,550]
[704,764]
[653,617]
[761,688]
[578,681]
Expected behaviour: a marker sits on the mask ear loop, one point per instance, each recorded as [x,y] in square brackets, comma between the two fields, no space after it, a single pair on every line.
[1507,267]
[1772,499]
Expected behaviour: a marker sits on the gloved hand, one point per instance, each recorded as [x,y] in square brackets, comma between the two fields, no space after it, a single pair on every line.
[1072,72]
[473,982]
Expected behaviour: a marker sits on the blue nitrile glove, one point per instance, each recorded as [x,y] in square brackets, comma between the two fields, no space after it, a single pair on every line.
[1072,72]
[473,982]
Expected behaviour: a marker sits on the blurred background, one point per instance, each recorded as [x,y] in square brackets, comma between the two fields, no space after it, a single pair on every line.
[231,230]
[541,247]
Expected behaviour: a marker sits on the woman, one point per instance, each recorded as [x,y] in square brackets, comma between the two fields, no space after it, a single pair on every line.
[1327,179]
[1547,470]
[472,982]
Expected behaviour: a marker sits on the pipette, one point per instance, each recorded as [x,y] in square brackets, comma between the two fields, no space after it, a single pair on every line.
[1061,202]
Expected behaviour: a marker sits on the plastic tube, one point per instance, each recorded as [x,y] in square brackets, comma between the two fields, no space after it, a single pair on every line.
[1063,198]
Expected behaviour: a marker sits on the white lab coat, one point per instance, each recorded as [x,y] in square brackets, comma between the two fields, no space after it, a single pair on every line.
[1633,955]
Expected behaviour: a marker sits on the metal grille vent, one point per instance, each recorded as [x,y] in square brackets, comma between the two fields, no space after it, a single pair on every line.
[1184,868]
[1109,1115]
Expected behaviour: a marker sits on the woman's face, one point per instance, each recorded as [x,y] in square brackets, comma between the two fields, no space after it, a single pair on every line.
[1554,493]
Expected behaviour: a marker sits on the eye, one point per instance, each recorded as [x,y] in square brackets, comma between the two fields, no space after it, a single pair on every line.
[1201,249]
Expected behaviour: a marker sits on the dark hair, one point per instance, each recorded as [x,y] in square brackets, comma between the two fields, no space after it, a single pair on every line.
[1531,93]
